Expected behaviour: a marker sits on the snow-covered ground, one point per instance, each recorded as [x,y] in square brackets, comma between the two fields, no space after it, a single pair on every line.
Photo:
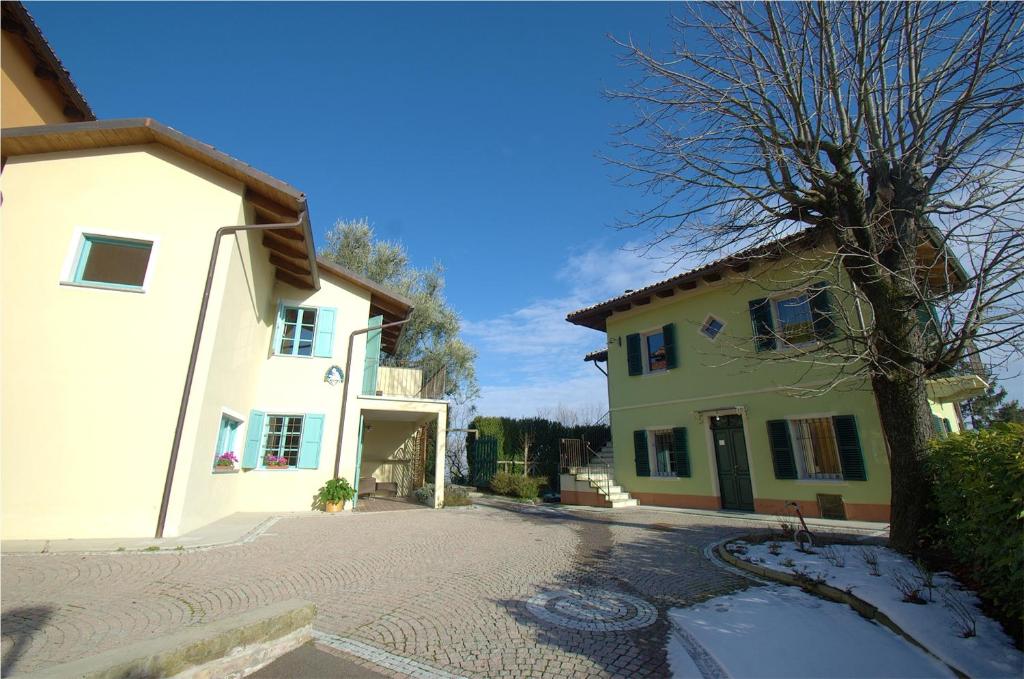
[780,631]
[990,653]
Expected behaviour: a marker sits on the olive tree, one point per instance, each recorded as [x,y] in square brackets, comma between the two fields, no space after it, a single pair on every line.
[892,130]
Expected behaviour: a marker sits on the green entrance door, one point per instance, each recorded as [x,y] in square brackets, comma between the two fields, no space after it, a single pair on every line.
[731,459]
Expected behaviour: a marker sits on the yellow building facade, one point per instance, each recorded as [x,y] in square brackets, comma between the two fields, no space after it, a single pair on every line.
[108,235]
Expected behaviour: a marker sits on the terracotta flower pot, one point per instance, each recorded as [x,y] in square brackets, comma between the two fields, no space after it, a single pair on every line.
[277,466]
[223,468]
[333,507]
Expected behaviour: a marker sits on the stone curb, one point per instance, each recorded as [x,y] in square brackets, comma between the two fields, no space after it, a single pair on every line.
[865,609]
[234,646]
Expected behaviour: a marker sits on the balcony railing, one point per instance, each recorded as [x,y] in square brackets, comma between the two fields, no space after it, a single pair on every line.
[403,381]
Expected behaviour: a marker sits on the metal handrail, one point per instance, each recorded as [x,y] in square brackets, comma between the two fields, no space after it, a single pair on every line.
[576,454]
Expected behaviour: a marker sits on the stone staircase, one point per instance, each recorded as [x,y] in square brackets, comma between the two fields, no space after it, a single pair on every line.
[598,475]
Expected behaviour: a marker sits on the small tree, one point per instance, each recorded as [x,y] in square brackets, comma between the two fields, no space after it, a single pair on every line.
[992,407]
[893,130]
[430,340]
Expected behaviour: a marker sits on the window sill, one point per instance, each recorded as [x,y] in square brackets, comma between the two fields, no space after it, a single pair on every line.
[105,286]
[232,470]
[823,482]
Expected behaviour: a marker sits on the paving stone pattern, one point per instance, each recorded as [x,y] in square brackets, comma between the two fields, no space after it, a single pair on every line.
[446,589]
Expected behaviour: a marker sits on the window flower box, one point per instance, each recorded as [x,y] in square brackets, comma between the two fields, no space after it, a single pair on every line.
[275,462]
[225,469]
[225,463]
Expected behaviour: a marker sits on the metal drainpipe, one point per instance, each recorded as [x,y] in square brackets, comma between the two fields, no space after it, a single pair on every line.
[194,357]
[344,394]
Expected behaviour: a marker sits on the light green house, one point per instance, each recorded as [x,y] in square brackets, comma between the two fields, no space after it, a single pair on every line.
[717,402]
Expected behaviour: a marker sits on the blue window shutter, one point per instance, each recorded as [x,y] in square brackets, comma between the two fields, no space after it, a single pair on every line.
[782,449]
[640,454]
[309,446]
[668,332]
[761,320]
[372,357]
[680,451]
[820,300]
[634,358]
[323,344]
[278,328]
[253,440]
[850,456]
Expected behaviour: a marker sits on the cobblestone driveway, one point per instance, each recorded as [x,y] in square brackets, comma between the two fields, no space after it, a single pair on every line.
[449,588]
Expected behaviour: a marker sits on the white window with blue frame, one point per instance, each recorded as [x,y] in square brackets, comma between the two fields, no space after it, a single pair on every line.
[110,261]
[227,440]
[304,331]
[277,440]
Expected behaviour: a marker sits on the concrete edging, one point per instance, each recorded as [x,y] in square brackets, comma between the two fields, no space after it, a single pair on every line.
[230,647]
[865,609]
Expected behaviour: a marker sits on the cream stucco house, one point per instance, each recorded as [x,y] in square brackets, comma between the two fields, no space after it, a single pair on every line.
[162,304]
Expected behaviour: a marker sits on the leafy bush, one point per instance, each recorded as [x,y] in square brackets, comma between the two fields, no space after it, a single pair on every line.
[978,494]
[454,496]
[502,482]
[516,485]
[425,494]
[335,491]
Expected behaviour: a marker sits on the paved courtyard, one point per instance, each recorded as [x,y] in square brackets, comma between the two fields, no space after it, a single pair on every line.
[493,591]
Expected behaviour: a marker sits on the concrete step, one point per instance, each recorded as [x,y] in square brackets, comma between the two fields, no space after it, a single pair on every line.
[617,504]
[618,497]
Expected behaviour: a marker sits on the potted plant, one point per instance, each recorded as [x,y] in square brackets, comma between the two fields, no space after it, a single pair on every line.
[225,462]
[335,493]
[275,462]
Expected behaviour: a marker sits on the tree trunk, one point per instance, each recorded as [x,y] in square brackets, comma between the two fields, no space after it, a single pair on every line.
[906,421]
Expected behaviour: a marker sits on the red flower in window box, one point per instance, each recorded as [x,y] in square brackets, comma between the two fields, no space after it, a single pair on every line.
[275,462]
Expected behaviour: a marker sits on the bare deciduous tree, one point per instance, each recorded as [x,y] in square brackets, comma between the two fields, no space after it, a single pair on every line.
[893,130]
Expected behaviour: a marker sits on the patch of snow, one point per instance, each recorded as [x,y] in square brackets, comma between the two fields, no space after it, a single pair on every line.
[990,653]
[780,631]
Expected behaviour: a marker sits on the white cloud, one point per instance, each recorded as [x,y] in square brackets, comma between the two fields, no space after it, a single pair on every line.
[532,358]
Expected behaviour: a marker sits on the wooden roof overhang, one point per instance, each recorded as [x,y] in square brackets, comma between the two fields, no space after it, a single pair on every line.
[18,21]
[942,269]
[383,302]
[292,251]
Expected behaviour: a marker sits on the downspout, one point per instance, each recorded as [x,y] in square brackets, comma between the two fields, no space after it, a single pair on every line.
[194,357]
[344,395]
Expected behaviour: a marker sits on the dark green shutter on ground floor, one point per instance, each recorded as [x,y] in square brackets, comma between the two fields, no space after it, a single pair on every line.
[643,462]
[850,456]
[782,449]
[680,452]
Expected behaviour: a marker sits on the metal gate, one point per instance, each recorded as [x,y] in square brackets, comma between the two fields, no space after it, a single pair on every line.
[485,461]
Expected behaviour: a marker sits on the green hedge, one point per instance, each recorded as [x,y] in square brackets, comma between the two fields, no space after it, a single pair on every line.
[543,434]
[516,485]
[978,496]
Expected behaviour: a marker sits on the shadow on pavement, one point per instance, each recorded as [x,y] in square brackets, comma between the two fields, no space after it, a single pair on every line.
[20,625]
[662,565]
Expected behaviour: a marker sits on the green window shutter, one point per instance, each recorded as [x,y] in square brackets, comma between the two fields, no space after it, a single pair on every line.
[820,300]
[761,321]
[323,342]
[643,462]
[782,449]
[937,429]
[668,332]
[253,440]
[928,322]
[948,426]
[634,357]
[850,456]
[309,445]
[278,328]
[372,357]
[680,451]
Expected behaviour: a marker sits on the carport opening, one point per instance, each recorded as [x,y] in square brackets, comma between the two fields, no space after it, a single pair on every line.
[397,459]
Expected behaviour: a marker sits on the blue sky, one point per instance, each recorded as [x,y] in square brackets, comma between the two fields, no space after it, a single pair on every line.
[469,132]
